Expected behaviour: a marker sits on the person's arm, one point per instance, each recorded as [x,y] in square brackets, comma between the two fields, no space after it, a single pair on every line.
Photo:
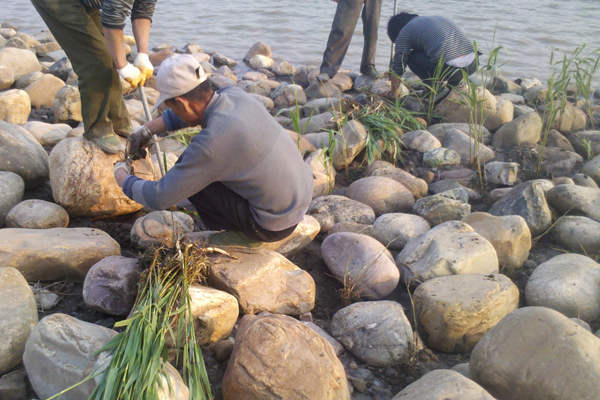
[402,48]
[141,138]
[193,171]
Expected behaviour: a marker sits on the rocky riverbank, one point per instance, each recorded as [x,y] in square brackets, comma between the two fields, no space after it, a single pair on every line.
[421,278]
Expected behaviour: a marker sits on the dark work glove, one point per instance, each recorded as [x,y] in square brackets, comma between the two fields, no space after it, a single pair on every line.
[138,141]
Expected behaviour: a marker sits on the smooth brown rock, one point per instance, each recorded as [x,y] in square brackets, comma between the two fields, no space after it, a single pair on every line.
[20,61]
[263,280]
[37,214]
[215,313]
[417,186]
[53,254]
[301,364]
[161,228]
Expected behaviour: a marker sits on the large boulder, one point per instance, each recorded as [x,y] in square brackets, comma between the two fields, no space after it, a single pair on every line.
[22,154]
[455,311]
[443,384]
[577,234]
[15,106]
[263,280]
[37,214]
[62,351]
[450,248]
[377,332]
[42,91]
[528,200]
[567,283]
[583,200]
[382,194]
[536,353]
[161,228]
[302,365]
[526,129]
[111,285]
[394,230]
[57,253]
[20,61]
[81,176]
[18,313]
[361,263]
[12,188]
[509,235]
[333,209]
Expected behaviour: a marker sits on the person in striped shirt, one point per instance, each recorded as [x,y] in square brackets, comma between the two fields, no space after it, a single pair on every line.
[91,34]
[423,42]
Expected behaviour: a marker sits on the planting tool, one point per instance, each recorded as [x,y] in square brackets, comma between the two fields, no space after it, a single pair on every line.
[154,138]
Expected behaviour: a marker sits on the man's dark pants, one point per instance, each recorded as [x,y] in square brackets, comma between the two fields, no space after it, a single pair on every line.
[425,69]
[221,208]
[78,30]
[342,29]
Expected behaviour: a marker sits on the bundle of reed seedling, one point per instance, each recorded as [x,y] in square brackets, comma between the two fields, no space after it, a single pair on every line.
[162,311]
[161,320]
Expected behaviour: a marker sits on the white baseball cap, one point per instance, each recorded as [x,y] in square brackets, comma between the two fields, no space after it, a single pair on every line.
[177,75]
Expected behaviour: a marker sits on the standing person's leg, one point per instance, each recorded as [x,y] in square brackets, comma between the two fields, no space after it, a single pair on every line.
[75,27]
[342,28]
[221,208]
[370,18]
[117,111]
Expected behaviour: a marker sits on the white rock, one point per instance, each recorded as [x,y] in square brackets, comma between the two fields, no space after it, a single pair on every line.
[394,230]
[259,62]
[536,353]
[47,134]
[361,263]
[448,249]
[60,352]
[421,141]
[377,332]
[37,214]
[20,61]
[567,283]
[578,234]
[215,313]
[384,195]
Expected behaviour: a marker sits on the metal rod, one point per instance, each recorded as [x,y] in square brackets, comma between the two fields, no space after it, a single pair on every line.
[154,138]
[392,47]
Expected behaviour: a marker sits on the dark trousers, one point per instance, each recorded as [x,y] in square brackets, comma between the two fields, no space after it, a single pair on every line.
[221,208]
[425,69]
[78,30]
[344,22]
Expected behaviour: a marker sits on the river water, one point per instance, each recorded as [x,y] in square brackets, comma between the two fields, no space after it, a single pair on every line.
[527,30]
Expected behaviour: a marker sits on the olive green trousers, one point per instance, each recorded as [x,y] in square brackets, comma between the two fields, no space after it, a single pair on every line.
[78,30]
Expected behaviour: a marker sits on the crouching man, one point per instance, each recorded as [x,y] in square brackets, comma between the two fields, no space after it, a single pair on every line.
[242,172]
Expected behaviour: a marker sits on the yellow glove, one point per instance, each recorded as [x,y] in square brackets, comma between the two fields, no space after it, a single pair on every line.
[131,74]
[142,62]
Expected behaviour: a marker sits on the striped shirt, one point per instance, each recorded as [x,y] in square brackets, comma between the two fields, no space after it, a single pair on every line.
[115,12]
[435,36]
